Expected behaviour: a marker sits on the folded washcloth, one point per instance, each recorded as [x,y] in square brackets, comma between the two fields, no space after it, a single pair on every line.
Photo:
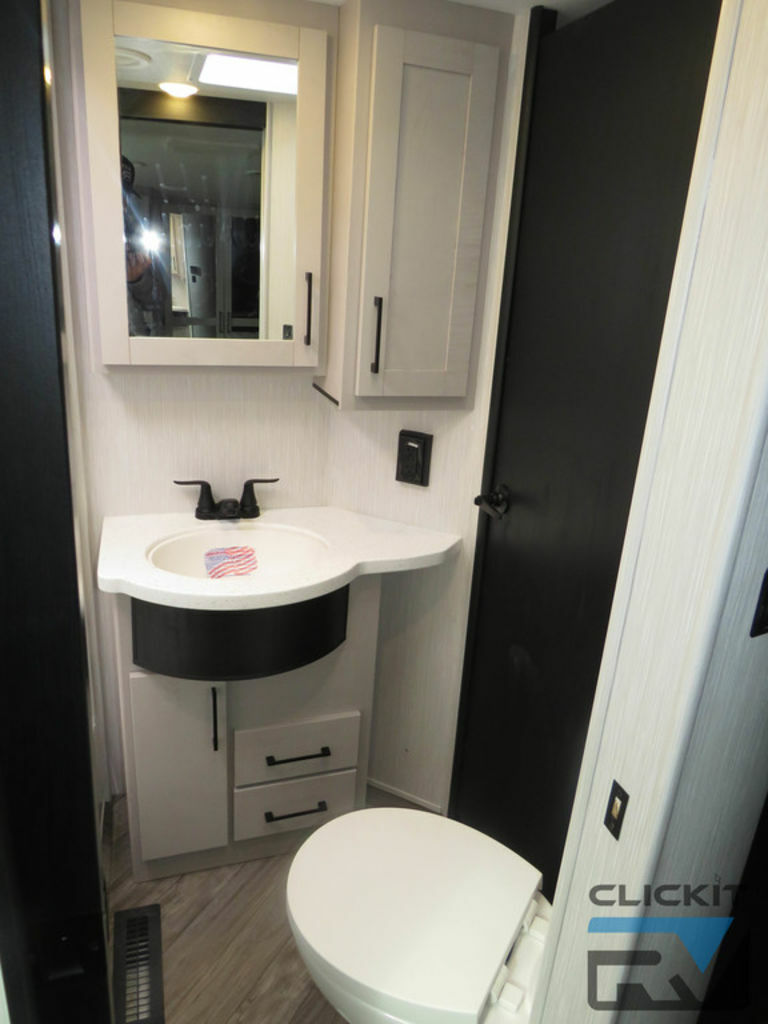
[236,561]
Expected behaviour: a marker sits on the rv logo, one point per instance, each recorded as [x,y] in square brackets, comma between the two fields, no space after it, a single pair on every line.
[701,937]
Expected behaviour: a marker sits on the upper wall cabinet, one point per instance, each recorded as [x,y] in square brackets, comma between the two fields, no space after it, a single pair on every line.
[429,144]
[208,215]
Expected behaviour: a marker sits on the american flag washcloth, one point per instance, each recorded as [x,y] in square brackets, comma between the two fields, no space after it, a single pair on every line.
[236,561]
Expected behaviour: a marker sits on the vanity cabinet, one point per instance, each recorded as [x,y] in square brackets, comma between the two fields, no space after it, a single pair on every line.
[221,772]
[429,146]
[286,776]
[180,756]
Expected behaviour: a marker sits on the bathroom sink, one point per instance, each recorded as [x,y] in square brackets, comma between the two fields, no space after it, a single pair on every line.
[266,548]
[247,599]
[291,555]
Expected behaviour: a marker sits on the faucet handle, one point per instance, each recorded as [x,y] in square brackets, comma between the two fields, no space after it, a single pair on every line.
[249,507]
[206,506]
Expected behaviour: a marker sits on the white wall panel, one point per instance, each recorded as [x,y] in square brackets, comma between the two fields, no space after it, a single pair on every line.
[424,614]
[655,718]
[146,428]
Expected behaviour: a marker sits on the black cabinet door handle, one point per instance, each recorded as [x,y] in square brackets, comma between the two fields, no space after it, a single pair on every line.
[215,710]
[272,761]
[321,806]
[378,302]
[308,335]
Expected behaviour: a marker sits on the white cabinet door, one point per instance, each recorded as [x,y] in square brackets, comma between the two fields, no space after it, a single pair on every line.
[180,756]
[432,110]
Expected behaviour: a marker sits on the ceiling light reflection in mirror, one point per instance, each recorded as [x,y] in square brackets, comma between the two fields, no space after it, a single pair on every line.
[208,196]
[250,73]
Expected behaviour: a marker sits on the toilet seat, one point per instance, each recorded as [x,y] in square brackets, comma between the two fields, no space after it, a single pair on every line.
[407,914]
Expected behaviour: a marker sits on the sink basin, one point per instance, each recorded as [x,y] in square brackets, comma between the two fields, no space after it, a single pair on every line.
[281,601]
[300,553]
[275,549]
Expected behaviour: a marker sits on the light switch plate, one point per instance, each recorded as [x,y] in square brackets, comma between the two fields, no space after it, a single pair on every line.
[617,805]
[414,452]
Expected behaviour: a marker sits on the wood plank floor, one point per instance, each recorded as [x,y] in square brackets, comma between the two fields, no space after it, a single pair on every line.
[228,953]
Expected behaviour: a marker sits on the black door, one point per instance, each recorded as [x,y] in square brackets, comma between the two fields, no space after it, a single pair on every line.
[52,942]
[617,99]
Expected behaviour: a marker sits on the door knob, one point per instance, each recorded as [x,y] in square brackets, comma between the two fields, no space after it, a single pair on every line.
[494,503]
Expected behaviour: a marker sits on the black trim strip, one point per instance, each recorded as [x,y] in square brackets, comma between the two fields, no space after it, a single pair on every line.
[325,394]
[211,111]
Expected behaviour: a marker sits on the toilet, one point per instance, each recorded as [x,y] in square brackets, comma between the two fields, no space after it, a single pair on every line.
[407,917]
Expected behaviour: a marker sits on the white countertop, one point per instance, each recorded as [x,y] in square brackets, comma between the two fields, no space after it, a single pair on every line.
[350,544]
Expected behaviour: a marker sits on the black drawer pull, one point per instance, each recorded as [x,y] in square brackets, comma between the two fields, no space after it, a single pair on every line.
[378,302]
[321,806]
[215,710]
[272,761]
[308,335]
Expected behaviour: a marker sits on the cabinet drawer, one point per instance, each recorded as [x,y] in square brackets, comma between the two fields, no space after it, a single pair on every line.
[298,803]
[296,748]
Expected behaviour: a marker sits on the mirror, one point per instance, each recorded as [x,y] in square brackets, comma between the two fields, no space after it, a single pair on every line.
[209,192]
[222,199]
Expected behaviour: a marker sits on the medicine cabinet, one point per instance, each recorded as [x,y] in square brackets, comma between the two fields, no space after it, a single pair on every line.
[208,215]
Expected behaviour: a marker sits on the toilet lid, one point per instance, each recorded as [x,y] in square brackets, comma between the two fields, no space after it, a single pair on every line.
[413,912]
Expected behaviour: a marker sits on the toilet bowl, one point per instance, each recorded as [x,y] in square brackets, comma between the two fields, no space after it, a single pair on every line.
[406,917]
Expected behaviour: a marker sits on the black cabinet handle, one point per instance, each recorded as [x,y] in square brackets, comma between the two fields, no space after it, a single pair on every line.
[272,761]
[378,302]
[215,709]
[321,806]
[308,335]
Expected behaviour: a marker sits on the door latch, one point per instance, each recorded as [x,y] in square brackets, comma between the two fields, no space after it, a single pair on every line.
[494,503]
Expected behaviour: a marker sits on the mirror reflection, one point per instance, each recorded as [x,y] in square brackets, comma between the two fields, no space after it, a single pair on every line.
[208,193]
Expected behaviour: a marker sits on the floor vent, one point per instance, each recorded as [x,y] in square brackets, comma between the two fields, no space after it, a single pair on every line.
[138,966]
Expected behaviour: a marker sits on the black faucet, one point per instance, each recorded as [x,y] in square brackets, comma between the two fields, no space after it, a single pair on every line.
[227,508]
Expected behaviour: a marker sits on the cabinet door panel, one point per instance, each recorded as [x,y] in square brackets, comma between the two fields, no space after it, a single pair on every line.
[429,149]
[181,780]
